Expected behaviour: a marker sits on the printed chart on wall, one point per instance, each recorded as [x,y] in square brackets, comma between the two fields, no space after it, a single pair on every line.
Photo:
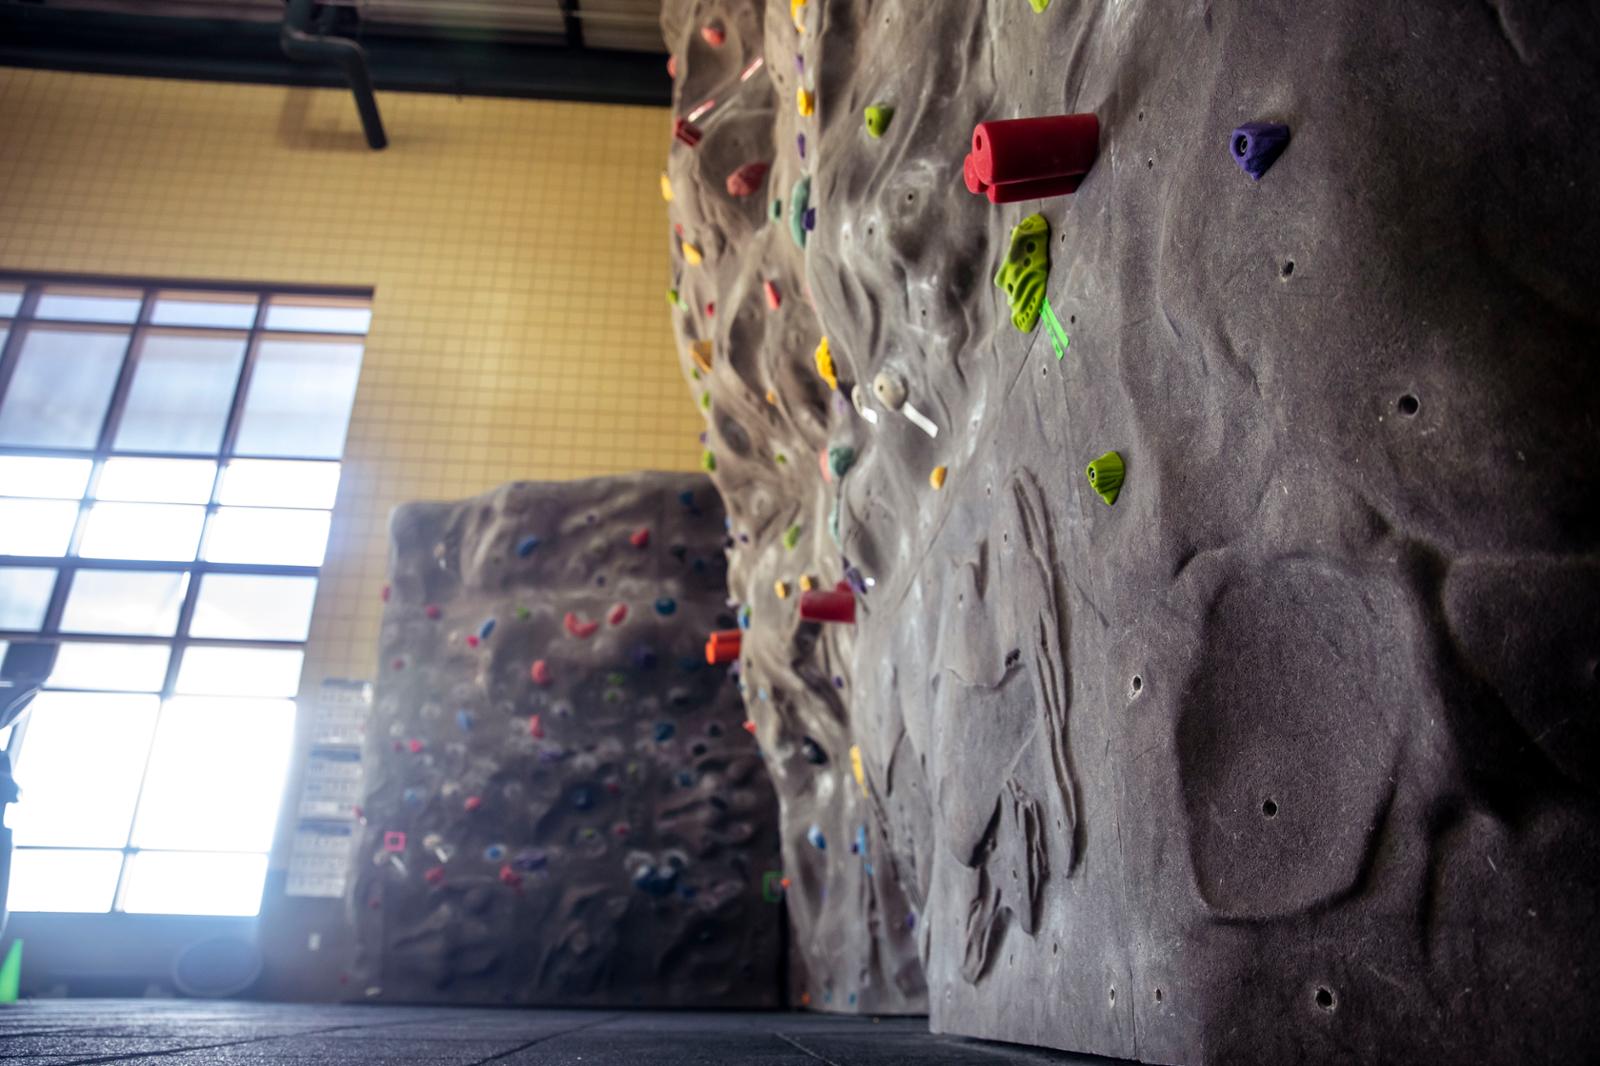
[331,794]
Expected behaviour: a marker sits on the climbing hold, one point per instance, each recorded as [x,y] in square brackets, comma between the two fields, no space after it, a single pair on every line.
[724,646]
[1026,270]
[540,672]
[700,351]
[691,254]
[676,300]
[796,14]
[800,145]
[773,297]
[813,752]
[936,479]
[618,614]
[526,545]
[750,727]
[485,629]
[714,36]
[1257,145]
[581,630]
[510,876]
[472,803]
[472,640]
[1058,336]
[824,358]
[890,389]
[1105,476]
[746,181]
[860,770]
[1034,150]
[412,796]
[663,731]
[1039,5]
[535,727]
[529,861]
[711,310]
[584,797]
[878,117]
[666,187]
[385,594]
[920,420]
[799,197]
[775,211]
[672,66]
[464,720]
[640,538]
[434,876]
[393,841]
[705,400]
[686,498]
[415,746]
[686,132]
[744,617]
[772,398]
[815,838]
[839,605]
[809,220]
[666,605]
[708,461]
[806,584]
[805,101]
[781,588]
[431,611]
[791,536]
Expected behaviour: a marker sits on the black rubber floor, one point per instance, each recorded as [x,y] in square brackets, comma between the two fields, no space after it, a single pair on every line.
[83,1031]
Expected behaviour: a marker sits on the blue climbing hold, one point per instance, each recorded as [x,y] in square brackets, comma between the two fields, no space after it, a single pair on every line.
[816,839]
[664,731]
[494,852]
[686,498]
[485,629]
[744,617]
[861,839]
[526,545]
[413,796]
[464,720]
[666,605]
[1257,145]
[685,778]
[584,797]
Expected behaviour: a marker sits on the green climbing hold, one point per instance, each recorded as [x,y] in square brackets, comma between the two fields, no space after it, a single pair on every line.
[1025,271]
[791,536]
[705,401]
[878,116]
[840,460]
[1058,336]
[780,458]
[775,211]
[1105,476]
[708,461]
[799,200]
[523,614]
[676,300]
[11,973]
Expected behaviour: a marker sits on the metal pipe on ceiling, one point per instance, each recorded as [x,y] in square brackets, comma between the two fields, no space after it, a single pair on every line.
[302,46]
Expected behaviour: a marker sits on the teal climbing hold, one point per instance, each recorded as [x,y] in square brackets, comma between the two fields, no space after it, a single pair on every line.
[840,460]
[799,200]
[1025,271]
[878,117]
[775,211]
[1105,476]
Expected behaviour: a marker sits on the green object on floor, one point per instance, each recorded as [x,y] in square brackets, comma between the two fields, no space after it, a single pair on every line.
[11,973]
[1027,267]
[1058,336]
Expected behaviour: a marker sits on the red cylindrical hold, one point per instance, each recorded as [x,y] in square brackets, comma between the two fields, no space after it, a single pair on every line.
[1027,149]
[969,170]
[836,606]
[1016,191]
[724,646]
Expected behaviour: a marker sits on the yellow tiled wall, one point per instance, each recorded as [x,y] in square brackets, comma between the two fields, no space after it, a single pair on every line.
[517,249]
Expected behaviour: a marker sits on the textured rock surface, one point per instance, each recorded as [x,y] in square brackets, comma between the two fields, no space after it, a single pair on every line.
[601,837]
[1292,753]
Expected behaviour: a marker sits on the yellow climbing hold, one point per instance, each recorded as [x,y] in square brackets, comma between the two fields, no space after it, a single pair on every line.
[666,187]
[691,253]
[701,352]
[782,589]
[797,16]
[805,101]
[825,364]
[806,584]
[936,479]
[855,764]
[772,398]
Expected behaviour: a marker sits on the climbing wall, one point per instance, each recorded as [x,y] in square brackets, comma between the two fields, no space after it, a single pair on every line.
[563,806]
[1280,740]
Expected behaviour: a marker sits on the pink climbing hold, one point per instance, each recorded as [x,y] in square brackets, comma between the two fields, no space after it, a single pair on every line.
[386,594]
[535,728]
[434,876]
[672,66]
[473,803]
[746,181]
[415,746]
[641,539]
[774,298]
[581,630]
[686,132]
[541,671]
[393,841]
[713,36]
[431,611]
[510,876]
[618,613]
[472,640]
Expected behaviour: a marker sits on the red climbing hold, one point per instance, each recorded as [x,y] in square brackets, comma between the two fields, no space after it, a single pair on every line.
[472,640]
[581,630]
[836,606]
[750,727]
[621,829]
[510,876]
[746,181]
[535,728]
[1013,192]
[541,671]
[415,746]
[711,310]
[386,594]
[686,132]
[431,611]
[774,298]
[640,539]
[618,613]
[723,647]
[713,36]
[1031,150]
[473,803]
[434,876]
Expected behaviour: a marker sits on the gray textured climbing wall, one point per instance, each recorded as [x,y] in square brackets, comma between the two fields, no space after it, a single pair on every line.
[563,805]
[1289,754]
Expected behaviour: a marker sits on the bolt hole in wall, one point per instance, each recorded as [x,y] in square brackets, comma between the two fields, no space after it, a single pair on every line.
[1325,999]
[1287,268]
[169,457]
[1408,405]
[1270,809]
[1136,686]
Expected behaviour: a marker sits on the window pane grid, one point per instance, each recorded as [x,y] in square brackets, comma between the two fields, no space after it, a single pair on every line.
[155,555]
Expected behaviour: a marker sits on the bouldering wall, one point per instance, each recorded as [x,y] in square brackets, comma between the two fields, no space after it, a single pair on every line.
[1285,750]
[563,806]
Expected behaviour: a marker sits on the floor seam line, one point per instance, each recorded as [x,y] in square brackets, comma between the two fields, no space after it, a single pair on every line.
[542,1039]
[786,1038]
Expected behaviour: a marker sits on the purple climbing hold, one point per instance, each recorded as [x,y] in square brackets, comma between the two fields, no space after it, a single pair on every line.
[809,219]
[799,63]
[853,577]
[1257,145]
[644,657]
[800,142]
[529,860]
[911,921]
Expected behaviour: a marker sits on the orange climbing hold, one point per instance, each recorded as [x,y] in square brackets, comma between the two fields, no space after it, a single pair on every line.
[774,298]
[750,727]
[724,646]
[581,630]
[713,36]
